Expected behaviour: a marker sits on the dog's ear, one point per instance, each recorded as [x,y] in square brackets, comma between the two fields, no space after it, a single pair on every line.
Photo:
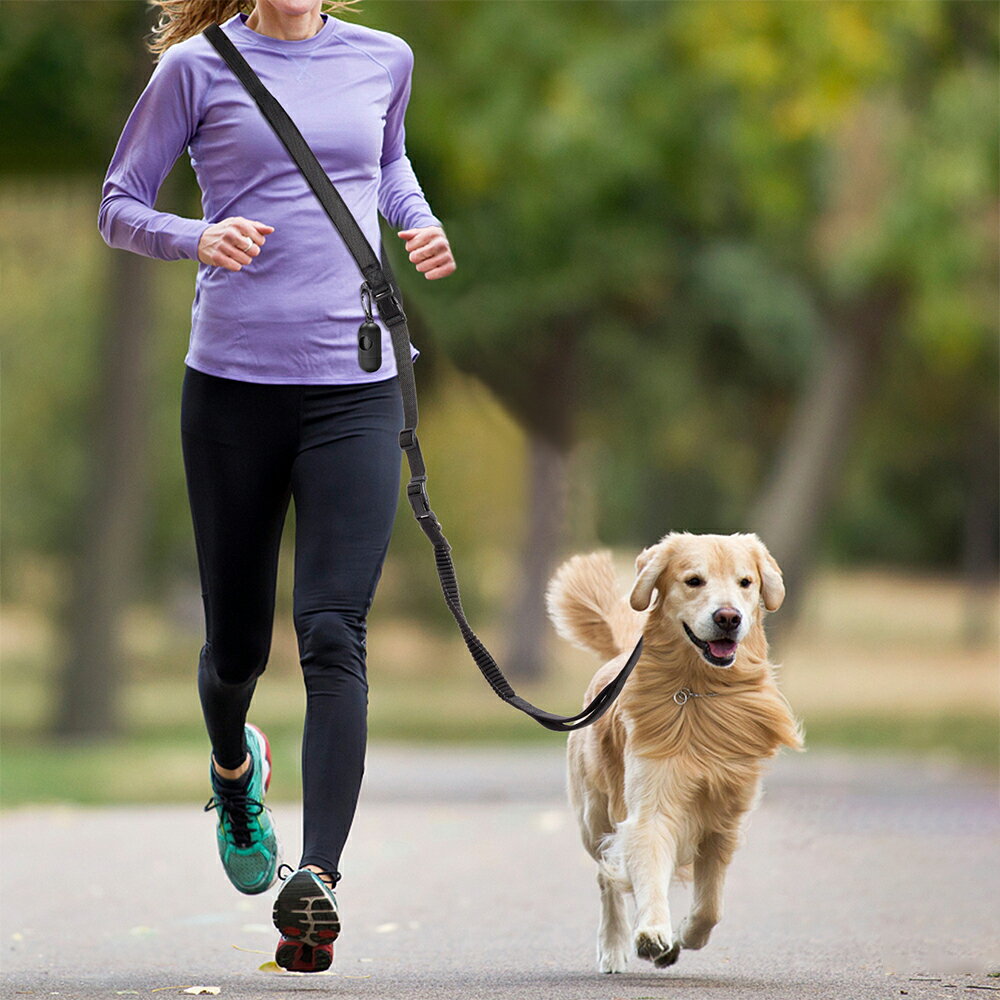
[649,564]
[772,586]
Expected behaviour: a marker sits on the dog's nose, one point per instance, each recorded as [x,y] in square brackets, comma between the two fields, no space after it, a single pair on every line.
[727,618]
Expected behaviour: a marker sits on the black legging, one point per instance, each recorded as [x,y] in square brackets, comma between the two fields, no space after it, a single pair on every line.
[248,447]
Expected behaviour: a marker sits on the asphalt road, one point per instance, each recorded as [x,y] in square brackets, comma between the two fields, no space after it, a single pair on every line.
[464,879]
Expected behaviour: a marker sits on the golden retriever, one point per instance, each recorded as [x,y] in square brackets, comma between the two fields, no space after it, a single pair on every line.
[664,780]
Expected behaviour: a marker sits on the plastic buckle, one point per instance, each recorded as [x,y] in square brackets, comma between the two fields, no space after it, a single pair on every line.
[407,439]
[416,492]
[388,306]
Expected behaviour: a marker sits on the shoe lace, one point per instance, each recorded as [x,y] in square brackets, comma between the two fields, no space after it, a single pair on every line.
[239,807]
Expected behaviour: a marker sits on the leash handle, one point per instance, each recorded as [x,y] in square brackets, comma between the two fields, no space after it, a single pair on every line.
[379,280]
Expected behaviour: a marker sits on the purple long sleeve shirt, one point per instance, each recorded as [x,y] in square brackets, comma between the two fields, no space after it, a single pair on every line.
[292,315]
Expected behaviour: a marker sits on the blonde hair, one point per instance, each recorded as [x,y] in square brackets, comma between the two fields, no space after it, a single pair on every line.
[180,19]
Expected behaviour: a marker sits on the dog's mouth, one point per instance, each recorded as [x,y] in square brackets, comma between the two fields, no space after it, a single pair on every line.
[718,652]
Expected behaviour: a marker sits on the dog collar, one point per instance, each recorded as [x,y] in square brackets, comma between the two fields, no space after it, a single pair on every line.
[682,696]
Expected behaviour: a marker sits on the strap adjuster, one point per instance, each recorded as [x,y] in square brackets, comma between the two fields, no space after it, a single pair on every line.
[408,439]
[388,306]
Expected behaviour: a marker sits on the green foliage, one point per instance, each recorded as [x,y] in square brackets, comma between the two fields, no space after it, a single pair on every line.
[669,193]
[762,307]
[68,72]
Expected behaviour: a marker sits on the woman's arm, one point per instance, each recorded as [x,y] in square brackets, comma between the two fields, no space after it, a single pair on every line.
[401,199]
[158,130]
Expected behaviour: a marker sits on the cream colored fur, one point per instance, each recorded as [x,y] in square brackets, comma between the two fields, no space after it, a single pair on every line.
[662,790]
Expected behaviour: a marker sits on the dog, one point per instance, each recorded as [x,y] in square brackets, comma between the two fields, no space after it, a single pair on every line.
[663,783]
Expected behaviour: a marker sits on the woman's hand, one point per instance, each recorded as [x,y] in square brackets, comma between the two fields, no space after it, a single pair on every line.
[232,243]
[429,250]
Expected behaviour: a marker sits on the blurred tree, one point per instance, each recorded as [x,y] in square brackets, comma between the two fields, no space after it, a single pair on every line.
[642,202]
[76,62]
[926,481]
[907,263]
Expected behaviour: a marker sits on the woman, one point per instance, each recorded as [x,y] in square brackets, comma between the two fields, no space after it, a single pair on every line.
[274,402]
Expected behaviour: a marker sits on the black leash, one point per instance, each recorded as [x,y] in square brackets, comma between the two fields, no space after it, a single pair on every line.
[379,286]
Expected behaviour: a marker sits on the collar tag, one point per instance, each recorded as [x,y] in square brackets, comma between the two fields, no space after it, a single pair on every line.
[681,697]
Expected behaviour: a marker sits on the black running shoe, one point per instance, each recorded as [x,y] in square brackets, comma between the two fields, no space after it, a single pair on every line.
[305,913]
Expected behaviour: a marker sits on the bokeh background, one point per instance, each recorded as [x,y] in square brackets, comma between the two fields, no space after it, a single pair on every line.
[723,266]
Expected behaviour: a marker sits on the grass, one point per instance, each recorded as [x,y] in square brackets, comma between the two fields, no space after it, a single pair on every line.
[860,679]
[970,738]
[172,766]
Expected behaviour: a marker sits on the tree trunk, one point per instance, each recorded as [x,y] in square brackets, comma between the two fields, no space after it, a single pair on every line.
[979,548]
[792,508]
[546,405]
[546,518]
[111,523]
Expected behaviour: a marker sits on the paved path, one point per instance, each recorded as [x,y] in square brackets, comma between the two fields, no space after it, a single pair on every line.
[465,881]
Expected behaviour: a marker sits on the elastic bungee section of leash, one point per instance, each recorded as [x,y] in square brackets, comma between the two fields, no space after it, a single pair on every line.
[380,287]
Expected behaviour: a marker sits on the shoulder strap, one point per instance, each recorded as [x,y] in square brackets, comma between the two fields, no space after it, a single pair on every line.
[378,277]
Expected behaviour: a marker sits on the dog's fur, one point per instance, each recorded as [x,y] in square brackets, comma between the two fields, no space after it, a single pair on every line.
[660,787]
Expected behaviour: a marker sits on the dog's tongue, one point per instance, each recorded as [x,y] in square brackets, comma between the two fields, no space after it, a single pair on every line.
[722,649]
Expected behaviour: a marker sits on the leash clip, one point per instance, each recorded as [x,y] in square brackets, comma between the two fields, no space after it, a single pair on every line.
[366,301]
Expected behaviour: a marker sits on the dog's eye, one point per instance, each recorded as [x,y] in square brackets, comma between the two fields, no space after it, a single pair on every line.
[745,582]
[694,581]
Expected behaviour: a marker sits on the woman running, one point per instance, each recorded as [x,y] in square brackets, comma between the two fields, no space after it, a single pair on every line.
[274,403]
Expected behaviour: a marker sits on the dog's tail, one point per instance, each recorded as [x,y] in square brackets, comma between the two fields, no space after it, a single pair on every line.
[586,608]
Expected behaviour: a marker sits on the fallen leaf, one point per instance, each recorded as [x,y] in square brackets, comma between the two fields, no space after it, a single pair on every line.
[274,967]
[386,928]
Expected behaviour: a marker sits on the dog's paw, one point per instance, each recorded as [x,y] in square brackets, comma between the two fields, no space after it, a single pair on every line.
[694,934]
[612,960]
[655,945]
[669,957]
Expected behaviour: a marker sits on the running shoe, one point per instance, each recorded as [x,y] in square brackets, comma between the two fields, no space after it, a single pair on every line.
[305,913]
[247,842]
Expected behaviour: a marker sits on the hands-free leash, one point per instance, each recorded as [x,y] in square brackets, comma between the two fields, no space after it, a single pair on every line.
[379,286]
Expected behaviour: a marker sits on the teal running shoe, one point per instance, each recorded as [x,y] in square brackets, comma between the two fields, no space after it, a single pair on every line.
[247,842]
